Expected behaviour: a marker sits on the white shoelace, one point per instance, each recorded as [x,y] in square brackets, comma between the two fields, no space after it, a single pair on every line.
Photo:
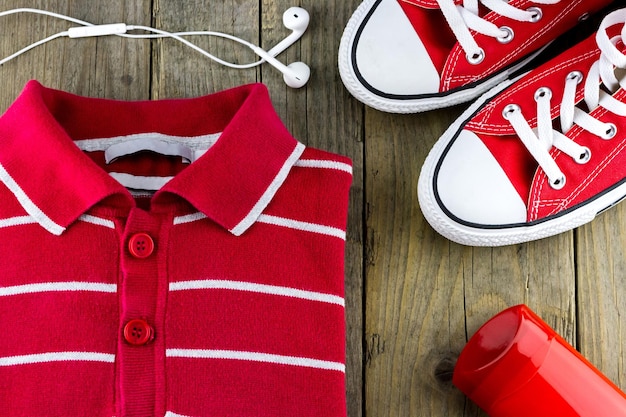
[462,19]
[540,141]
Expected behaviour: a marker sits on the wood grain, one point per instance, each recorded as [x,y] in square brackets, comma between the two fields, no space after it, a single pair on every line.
[101,67]
[412,297]
[601,296]
[179,71]
[414,279]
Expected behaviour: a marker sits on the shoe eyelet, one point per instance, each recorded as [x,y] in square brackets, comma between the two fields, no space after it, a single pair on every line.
[611,131]
[584,157]
[584,16]
[508,35]
[476,57]
[575,75]
[509,110]
[558,183]
[543,92]
[537,14]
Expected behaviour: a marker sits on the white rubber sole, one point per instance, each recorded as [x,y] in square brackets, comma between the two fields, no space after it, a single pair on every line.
[492,235]
[410,105]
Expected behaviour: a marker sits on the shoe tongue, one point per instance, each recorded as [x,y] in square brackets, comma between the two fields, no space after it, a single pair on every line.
[489,119]
[552,74]
[431,27]
[429,4]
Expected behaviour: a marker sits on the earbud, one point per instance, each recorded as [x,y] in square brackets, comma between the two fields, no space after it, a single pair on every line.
[296,74]
[295,19]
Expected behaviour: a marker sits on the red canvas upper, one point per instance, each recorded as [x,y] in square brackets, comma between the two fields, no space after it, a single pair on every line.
[241,288]
[584,181]
[449,58]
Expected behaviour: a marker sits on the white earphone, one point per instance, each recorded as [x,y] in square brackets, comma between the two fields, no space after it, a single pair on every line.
[295,74]
[295,19]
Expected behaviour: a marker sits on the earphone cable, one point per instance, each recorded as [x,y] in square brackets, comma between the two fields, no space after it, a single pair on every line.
[158,33]
[154,34]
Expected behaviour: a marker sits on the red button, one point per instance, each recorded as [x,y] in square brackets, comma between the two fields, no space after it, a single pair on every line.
[141,245]
[138,332]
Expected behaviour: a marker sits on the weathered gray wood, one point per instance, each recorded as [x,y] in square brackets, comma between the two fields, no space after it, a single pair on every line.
[424,294]
[601,294]
[178,71]
[412,297]
[104,67]
[414,278]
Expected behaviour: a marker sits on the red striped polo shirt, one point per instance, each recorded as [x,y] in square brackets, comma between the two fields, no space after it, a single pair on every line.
[210,288]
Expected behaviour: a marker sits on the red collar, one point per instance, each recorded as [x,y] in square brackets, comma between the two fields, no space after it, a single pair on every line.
[231,183]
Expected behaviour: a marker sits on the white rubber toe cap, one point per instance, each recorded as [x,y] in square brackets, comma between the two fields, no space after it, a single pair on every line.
[389,56]
[472,186]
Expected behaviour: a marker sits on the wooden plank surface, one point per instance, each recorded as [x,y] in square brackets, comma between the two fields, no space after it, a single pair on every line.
[412,297]
[104,67]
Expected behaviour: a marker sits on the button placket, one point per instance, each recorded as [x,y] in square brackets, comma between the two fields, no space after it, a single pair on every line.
[142,290]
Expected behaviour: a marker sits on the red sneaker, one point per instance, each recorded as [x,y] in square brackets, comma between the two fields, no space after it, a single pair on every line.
[538,156]
[406,56]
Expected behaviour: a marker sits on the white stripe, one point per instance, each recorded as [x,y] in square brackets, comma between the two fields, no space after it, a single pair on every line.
[210,284]
[87,218]
[57,357]
[17,221]
[189,218]
[58,286]
[327,164]
[171,414]
[304,226]
[256,357]
[275,221]
[28,205]
[23,220]
[269,193]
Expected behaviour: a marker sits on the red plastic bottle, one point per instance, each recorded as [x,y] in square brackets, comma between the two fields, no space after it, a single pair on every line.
[517,366]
